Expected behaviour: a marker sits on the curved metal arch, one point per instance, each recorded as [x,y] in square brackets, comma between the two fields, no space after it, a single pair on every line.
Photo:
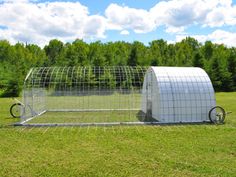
[61,78]
[53,75]
[67,75]
[46,77]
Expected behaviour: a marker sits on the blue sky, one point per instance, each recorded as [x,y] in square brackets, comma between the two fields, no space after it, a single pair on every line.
[37,21]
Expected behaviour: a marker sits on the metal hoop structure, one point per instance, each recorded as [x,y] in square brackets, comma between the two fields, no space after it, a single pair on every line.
[116,95]
[76,95]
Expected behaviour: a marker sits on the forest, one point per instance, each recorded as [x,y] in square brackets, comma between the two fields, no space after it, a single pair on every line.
[218,60]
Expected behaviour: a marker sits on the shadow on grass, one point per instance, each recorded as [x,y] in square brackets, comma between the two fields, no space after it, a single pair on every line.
[142,117]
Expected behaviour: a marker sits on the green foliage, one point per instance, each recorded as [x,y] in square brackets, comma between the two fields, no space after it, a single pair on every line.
[232,66]
[55,52]
[77,53]
[96,54]
[221,77]
[137,55]
[9,83]
[198,60]
[107,80]
[16,60]
[159,52]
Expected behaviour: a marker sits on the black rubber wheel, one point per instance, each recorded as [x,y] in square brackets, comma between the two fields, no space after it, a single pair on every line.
[217,115]
[17,110]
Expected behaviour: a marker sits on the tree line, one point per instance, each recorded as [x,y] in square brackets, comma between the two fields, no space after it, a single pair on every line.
[217,60]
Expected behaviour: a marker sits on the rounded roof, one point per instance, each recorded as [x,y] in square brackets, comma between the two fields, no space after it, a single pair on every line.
[183,79]
[86,76]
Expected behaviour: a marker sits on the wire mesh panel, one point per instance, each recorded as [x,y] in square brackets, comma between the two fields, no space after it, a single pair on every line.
[57,95]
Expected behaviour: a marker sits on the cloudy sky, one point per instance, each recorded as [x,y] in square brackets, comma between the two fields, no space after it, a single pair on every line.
[38,21]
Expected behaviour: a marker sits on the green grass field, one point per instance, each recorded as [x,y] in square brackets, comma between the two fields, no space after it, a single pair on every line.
[181,150]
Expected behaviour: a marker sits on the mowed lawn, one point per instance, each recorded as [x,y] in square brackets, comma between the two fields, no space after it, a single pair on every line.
[181,150]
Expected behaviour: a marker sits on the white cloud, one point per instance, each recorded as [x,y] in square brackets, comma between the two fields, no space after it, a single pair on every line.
[175,15]
[223,15]
[40,22]
[183,13]
[123,18]
[95,27]
[172,29]
[178,13]
[124,32]
[14,0]
[218,36]
[223,37]
[34,22]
